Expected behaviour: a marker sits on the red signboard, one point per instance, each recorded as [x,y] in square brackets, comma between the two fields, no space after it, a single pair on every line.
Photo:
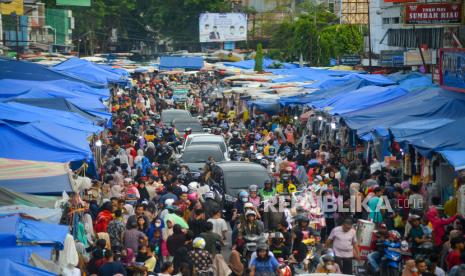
[437,13]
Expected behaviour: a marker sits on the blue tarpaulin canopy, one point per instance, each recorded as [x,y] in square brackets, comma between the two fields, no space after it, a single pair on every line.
[12,268]
[22,70]
[267,64]
[42,141]
[267,106]
[18,112]
[362,98]
[169,63]
[89,71]
[45,90]
[334,86]
[306,74]
[27,230]
[119,71]
[23,253]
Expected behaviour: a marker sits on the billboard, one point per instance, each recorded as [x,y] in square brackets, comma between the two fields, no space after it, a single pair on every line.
[81,3]
[435,13]
[452,69]
[220,27]
[391,58]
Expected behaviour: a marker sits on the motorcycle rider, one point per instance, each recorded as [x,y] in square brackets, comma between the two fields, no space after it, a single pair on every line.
[251,226]
[286,186]
[327,265]
[267,191]
[235,141]
[254,198]
[278,246]
[264,264]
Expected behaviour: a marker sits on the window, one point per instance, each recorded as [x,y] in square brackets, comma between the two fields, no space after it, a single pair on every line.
[385,21]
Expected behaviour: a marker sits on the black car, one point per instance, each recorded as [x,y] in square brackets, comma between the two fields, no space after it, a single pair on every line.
[235,176]
[195,156]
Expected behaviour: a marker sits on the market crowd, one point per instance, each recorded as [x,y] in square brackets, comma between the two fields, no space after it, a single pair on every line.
[147,214]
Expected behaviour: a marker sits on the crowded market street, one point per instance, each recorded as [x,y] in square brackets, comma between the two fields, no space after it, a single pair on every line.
[229,161]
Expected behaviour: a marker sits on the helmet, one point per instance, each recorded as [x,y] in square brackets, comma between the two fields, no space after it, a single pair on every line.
[193,196]
[243,193]
[157,117]
[193,186]
[262,246]
[199,243]
[268,181]
[272,150]
[250,213]
[253,188]
[327,258]
[285,178]
[303,218]
[393,234]
[235,134]
[188,129]
[264,163]
[209,195]
[277,235]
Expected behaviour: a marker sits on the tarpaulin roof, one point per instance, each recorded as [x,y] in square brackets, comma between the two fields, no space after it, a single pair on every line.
[267,64]
[335,86]
[42,141]
[431,103]
[27,230]
[306,74]
[22,254]
[168,63]
[23,70]
[45,90]
[12,268]
[268,106]
[119,71]
[19,112]
[32,177]
[9,197]
[89,71]
[362,98]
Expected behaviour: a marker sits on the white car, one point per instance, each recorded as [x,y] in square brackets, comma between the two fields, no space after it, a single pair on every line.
[207,139]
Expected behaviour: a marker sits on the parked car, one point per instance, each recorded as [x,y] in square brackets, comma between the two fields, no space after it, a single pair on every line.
[195,156]
[169,115]
[207,139]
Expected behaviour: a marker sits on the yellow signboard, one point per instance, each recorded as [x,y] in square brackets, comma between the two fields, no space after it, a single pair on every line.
[16,6]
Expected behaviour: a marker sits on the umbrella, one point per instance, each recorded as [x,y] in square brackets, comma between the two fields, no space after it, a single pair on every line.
[177,220]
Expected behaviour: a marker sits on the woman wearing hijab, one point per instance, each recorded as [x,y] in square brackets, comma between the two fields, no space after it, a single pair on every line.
[144,194]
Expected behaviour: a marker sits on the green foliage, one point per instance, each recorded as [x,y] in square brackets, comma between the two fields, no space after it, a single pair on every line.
[317,36]
[259,58]
[142,20]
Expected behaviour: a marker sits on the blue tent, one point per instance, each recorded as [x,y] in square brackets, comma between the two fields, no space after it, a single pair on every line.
[12,268]
[267,64]
[455,158]
[268,106]
[172,62]
[306,74]
[45,90]
[362,98]
[27,230]
[18,112]
[87,70]
[22,254]
[334,86]
[21,70]
[42,141]
[431,103]
[119,71]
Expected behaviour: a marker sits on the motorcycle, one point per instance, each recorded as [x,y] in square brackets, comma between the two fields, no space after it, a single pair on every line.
[391,262]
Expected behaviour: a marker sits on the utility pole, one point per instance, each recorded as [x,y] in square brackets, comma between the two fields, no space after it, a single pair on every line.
[419,48]
[369,38]
[15,17]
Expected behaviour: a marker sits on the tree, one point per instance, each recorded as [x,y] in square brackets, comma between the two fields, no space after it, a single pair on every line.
[259,59]
[316,35]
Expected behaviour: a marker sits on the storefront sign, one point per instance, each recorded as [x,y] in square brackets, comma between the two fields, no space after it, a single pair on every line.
[413,57]
[391,58]
[351,60]
[452,69]
[437,13]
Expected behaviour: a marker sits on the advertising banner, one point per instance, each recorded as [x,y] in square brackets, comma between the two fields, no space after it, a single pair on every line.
[434,13]
[452,69]
[81,3]
[220,27]
[350,60]
[413,57]
[391,58]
